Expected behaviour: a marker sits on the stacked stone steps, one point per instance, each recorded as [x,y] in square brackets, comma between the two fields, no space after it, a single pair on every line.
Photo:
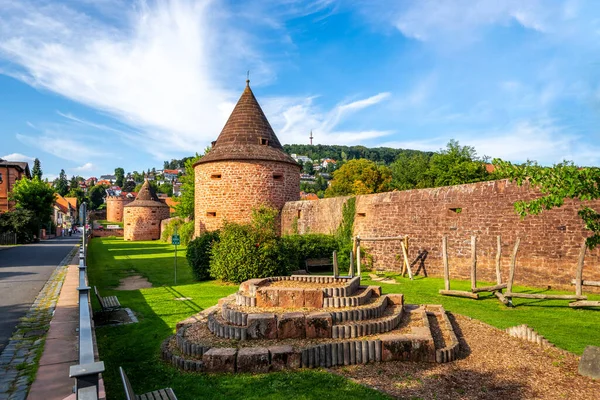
[360,299]
[347,330]
[342,353]
[527,333]
[450,351]
[222,329]
[374,310]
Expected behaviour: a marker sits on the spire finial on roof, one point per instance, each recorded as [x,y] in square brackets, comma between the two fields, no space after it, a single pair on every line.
[248,78]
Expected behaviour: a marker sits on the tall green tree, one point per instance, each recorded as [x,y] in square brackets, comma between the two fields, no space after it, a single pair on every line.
[37,169]
[128,186]
[556,184]
[34,195]
[74,182]
[61,184]
[457,165]
[96,196]
[78,193]
[185,203]
[120,175]
[411,171]
[359,177]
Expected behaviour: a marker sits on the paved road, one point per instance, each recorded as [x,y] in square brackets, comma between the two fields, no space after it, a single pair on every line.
[23,272]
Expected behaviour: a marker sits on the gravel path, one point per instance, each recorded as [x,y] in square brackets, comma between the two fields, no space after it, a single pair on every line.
[492,365]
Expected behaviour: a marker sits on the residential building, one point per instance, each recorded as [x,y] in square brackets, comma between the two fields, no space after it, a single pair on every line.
[298,158]
[10,173]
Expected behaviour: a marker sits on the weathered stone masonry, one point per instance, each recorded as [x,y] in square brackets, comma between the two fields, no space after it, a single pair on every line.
[550,242]
[143,215]
[114,207]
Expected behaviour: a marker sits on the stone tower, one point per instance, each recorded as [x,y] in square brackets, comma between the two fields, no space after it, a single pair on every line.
[143,215]
[245,168]
[115,207]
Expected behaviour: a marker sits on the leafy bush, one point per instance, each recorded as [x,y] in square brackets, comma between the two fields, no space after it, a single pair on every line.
[298,248]
[344,233]
[248,251]
[184,229]
[24,222]
[198,254]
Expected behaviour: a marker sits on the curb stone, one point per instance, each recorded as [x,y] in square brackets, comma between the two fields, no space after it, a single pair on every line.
[24,349]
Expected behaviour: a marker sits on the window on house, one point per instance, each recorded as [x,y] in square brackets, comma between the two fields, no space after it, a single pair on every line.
[264,142]
[211,213]
[215,176]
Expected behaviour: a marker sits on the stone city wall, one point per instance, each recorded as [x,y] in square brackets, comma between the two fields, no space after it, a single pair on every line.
[550,242]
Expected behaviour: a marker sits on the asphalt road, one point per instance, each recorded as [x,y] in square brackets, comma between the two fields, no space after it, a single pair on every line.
[23,272]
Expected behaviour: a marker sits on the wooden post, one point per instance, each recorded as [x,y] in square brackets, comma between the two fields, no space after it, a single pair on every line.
[445,258]
[351,269]
[579,273]
[335,264]
[404,253]
[357,256]
[473,262]
[513,261]
[498,258]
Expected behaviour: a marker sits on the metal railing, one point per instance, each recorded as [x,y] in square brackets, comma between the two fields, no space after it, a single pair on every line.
[87,372]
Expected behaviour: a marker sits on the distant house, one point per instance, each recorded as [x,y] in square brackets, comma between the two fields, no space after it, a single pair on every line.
[170,174]
[308,196]
[327,161]
[104,182]
[299,158]
[10,173]
[111,178]
[64,213]
[91,181]
[306,178]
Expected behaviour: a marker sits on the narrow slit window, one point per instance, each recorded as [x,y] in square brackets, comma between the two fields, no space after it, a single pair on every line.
[278,177]
[211,213]
[215,176]
[362,214]
[299,213]
[153,211]
[456,210]
[264,142]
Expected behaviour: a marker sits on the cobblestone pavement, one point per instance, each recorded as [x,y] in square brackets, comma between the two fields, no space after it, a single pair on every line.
[19,358]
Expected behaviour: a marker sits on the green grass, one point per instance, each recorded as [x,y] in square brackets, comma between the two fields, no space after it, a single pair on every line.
[136,346]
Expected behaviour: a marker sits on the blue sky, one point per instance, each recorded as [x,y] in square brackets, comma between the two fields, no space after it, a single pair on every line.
[91,85]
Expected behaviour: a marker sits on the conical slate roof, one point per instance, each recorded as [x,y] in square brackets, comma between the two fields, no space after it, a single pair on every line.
[247,135]
[146,197]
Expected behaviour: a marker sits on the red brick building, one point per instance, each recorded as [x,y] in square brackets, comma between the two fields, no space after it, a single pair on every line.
[245,168]
[10,173]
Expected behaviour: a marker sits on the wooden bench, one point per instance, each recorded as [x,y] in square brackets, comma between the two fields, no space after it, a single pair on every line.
[317,263]
[107,303]
[162,394]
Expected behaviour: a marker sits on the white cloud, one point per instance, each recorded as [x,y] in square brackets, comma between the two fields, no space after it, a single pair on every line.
[85,167]
[63,146]
[535,140]
[17,157]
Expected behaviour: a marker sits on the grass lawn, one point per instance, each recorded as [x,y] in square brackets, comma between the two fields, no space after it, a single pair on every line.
[136,346]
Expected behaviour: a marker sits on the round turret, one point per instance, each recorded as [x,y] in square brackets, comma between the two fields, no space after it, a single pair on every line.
[114,207]
[143,215]
[245,168]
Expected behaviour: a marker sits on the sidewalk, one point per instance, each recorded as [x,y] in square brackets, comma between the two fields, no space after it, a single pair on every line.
[52,381]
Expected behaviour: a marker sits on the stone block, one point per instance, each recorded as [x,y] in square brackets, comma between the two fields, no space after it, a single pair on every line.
[284,357]
[262,326]
[395,347]
[291,298]
[318,325]
[589,365]
[220,360]
[313,298]
[253,359]
[395,299]
[291,326]
[267,297]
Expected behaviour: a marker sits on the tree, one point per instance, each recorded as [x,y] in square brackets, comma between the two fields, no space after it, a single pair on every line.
[166,188]
[37,169]
[61,184]
[562,181]
[128,186]
[359,177]
[22,222]
[120,175]
[308,168]
[74,182]
[96,195]
[456,165]
[78,193]
[34,195]
[137,177]
[184,207]
[411,171]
